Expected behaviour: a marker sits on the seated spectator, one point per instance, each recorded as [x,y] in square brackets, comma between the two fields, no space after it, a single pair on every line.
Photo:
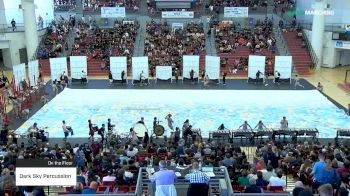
[253,188]
[7,181]
[243,180]
[109,177]
[92,188]
[268,173]
[131,151]
[325,190]
[77,189]
[121,179]
[260,181]
[227,161]
[298,188]
[278,181]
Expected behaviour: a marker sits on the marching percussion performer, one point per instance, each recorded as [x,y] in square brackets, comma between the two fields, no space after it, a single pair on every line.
[170,121]
[284,123]
[101,132]
[33,128]
[91,129]
[109,125]
[142,121]
[133,137]
[66,129]
[260,125]
[245,126]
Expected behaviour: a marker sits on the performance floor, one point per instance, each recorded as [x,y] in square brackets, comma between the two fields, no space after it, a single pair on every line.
[206,109]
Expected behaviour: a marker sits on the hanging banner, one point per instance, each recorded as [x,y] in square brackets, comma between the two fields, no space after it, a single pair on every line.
[139,64]
[236,12]
[112,12]
[57,67]
[255,64]
[117,66]
[77,65]
[163,72]
[19,72]
[283,64]
[212,67]
[190,63]
[33,72]
[178,14]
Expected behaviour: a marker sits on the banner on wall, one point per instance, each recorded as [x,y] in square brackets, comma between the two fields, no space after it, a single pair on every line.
[178,14]
[19,73]
[112,12]
[342,44]
[190,62]
[117,66]
[77,65]
[164,72]
[139,65]
[176,26]
[212,67]
[255,64]
[236,12]
[283,64]
[57,67]
[33,72]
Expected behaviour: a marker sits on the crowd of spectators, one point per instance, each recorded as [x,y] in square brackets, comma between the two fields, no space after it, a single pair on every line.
[257,38]
[316,166]
[94,5]
[165,45]
[55,42]
[64,5]
[101,43]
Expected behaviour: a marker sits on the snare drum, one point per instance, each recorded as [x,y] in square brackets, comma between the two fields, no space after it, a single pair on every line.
[140,129]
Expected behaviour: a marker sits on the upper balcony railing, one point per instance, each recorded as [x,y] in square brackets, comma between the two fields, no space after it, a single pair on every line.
[7,28]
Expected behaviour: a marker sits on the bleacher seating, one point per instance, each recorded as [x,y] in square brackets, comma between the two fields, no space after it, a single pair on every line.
[301,57]
[165,46]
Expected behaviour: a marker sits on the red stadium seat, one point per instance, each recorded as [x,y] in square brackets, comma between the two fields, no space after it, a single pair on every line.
[8,192]
[275,188]
[123,189]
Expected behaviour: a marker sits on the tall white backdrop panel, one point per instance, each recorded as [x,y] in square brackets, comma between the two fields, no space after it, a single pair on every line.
[57,67]
[33,72]
[255,64]
[77,64]
[19,72]
[283,64]
[163,72]
[190,62]
[139,64]
[117,65]
[212,67]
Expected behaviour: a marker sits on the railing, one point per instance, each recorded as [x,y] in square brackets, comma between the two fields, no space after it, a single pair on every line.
[332,27]
[312,53]
[7,28]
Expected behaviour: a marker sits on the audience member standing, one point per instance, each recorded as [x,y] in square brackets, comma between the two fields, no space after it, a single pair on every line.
[13,23]
[164,180]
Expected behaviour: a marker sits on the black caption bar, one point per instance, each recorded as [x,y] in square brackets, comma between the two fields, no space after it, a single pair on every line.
[45,163]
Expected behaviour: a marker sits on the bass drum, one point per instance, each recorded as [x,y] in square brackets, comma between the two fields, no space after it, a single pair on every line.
[140,129]
[159,130]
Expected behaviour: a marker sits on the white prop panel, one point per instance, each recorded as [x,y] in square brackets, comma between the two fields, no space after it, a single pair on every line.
[163,72]
[139,64]
[77,65]
[255,64]
[212,67]
[19,72]
[190,62]
[283,64]
[33,72]
[57,67]
[117,65]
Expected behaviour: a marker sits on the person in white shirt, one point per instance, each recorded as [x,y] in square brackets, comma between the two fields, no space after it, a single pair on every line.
[109,177]
[284,123]
[131,151]
[278,181]
[83,77]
